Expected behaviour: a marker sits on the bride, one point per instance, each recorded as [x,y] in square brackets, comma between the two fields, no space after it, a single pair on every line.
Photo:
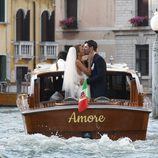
[75,72]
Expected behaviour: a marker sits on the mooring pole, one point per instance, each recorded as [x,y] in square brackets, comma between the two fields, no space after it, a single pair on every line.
[154,26]
[155,78]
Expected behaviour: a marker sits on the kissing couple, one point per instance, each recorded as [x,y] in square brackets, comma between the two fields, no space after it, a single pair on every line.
[84,63]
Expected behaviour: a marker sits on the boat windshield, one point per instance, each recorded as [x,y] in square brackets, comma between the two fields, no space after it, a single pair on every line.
[118,85]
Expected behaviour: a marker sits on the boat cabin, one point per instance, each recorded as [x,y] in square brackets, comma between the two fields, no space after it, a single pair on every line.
[121,84]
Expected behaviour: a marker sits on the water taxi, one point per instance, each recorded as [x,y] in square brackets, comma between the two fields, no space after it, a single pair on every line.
[124,113]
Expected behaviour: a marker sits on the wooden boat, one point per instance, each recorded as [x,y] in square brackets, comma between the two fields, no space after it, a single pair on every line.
[7,99]
[8,93]
[123,114]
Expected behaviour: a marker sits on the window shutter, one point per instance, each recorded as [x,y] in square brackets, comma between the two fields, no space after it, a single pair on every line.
[19,25]
[143,8]
[72,8]
[142,59]
[2,10]
[51,27]
[2,68]
[44,26]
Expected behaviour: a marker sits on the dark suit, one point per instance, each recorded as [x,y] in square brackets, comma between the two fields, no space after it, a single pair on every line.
[97,80]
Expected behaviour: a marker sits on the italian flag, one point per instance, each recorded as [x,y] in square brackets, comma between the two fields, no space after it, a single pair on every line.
[85,96]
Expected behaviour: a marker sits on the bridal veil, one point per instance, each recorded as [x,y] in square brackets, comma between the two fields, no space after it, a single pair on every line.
[71,80]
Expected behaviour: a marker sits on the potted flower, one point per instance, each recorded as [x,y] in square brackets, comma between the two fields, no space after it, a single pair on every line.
[139,21]
[68,23]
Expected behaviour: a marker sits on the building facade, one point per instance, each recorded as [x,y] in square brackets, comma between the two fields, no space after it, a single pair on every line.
[27,30]
[121,29]
[34,31]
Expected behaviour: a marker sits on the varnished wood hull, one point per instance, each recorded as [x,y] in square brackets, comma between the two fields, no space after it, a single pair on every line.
[65,121]
[7,99]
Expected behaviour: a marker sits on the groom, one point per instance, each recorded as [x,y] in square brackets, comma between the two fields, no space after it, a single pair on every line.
[97,80]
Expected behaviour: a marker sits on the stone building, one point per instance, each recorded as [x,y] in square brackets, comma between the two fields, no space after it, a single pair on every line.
[33,31]
[27,30]
[107,22]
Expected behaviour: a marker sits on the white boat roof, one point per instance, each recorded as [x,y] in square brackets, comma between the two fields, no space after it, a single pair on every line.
[45,67]
[120,67]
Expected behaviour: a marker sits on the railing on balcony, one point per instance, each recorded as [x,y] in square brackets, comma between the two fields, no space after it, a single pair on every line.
[23,49]
[49,50]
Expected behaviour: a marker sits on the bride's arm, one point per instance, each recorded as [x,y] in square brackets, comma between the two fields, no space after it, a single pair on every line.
[81,67]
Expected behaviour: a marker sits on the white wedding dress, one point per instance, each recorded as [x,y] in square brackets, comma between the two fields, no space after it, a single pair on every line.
[71,82]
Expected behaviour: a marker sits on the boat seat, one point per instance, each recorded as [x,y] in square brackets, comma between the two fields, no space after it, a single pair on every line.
[101,99]
[57,96]
[70,100]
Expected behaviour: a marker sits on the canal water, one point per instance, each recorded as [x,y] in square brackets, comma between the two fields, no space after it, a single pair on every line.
[14,143]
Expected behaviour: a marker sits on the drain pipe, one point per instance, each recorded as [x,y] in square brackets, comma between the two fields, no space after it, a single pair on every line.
[34,34]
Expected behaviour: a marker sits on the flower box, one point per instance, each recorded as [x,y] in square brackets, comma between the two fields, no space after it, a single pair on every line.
[139,21]
[68,23]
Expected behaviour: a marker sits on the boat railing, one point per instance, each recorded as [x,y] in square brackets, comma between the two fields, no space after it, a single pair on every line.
[72,101]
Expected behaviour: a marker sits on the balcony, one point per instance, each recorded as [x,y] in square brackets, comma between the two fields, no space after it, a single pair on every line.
[49,50]
[23,50]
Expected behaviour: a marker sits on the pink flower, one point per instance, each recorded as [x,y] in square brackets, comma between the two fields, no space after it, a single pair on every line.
[67,22]
[137,20]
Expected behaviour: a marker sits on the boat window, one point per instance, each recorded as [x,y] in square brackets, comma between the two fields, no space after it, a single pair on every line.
[118,86]
[49,85]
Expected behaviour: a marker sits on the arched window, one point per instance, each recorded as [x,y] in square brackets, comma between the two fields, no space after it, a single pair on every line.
[47,26]
[44,26]
[22,26]
[19,25]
